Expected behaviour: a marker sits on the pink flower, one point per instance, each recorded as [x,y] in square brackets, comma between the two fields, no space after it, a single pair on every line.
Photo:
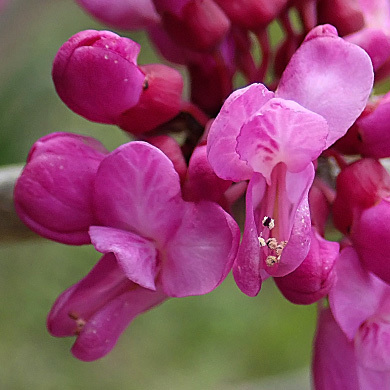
[123,14]
[361,210]
[315,276]
[96,75]
[271,139]
[194,24]
[53,195]
[163,247]
[370,135]
[252,14]
[351,350]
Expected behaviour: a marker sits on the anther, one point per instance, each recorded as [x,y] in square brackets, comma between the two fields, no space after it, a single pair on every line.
[268,222]
[272,260]
[262,241]
[272,243]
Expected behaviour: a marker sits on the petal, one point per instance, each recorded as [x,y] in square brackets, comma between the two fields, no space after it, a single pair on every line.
[281,131]
[370,236]
[334,363]
[298,244]
[247,268]
[373,380]
[372,345]
[101,332]
[123,14]
[138,189]
[222,138]
[201,254]
[135,255]
[96,75]
[103,283]
[356,295]
[331,77]
[53,195]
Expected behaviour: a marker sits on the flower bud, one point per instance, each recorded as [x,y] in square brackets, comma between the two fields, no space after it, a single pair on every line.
[360,185]
[345,15]
[159,102]
[53,194]
[122,14]
[202,183]
[96,75]
[198,25]
[370,135]
[252,14]
[313,279]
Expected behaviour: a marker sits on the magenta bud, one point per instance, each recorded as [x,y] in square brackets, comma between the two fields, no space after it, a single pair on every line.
[96,75]
[359,186]
[370,236]
[170,147]
[345,15]
[313,279]
[159,102]
[122,14]
[320,198]
[98,309]
[252,14]
[202,183]
[373,129]
[53,194]
[197,25]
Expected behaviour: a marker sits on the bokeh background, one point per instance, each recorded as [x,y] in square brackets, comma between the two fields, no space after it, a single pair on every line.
[223,340]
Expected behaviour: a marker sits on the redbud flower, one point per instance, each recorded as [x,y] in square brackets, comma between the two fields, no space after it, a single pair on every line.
[53,195]
[96,75]
[98,309]
[123,14]
[271,139]
[313,279]
[163,247]
[351,350]
[197,25]
[252,14]
[370,134]
[361,210]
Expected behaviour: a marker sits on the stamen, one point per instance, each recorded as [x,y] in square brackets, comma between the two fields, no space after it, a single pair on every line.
[80,323]
[272,243]
[268,222]
[272,260]
[262,241]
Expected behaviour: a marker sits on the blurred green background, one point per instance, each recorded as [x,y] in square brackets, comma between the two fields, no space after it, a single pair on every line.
[217,341]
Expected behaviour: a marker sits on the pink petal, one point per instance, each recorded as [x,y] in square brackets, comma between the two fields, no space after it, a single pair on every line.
[298,244]
[331,77]
[53,194]
[222,138]
[98,308]
[123,14]
[102,331]
[375,42]
[370,236]
[137,189]
[372,345]
[334,363]
[373,380]
[201,254]
[96,75]
[103,283]
[247,267]
[355,295]
[281,131]
[135,255]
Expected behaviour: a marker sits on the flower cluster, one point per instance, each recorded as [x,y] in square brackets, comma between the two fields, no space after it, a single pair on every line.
[159,208]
